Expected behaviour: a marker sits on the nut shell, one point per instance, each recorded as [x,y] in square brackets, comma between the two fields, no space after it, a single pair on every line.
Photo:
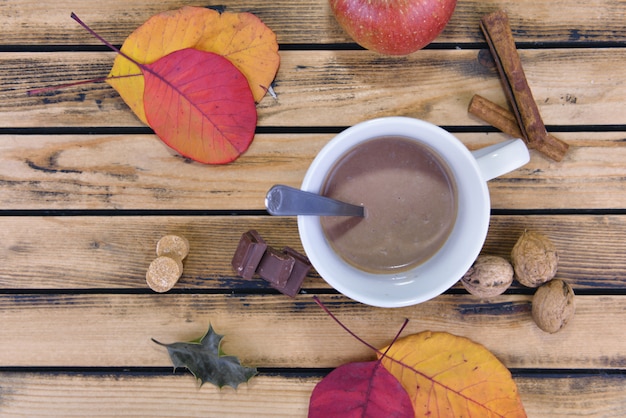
[553,305]
[489,276]
[534,258]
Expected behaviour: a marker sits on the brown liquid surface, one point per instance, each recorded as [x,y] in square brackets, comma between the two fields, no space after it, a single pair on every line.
[410,204]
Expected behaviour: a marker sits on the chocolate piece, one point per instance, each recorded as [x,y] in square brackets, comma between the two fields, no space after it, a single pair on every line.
[275,267]
[301,268]
[249,253]
[284,270]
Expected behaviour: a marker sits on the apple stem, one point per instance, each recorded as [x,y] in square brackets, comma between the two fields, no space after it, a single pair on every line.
[362,341]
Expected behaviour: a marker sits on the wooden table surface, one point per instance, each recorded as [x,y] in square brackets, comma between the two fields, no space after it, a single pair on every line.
[86,190]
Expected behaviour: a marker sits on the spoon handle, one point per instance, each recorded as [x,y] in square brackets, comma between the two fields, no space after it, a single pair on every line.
[287,201]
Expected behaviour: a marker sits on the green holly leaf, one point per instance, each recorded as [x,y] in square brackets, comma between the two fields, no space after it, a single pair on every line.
[207,362]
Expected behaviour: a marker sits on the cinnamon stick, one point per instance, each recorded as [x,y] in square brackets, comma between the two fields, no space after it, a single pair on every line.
[495,115]
[502,119]
[497,31]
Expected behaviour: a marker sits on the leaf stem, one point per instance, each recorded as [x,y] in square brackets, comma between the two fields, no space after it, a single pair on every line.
[362,341]
[158,342]
[406,321]
[104,41]
[35,92]
[73,15]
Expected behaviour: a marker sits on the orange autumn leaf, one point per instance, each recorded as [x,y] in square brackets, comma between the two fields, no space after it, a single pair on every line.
[450,376]
[240,37]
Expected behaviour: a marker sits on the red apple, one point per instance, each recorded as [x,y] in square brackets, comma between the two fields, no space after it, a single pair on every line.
[393,27]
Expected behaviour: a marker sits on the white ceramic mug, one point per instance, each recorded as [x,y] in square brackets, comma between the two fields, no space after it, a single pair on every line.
[471,171]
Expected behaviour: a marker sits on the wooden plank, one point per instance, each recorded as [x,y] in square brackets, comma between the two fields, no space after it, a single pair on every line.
[72,288]
[31,22]
[114,252]
[61,394]
[338,88]
[550,396]
[109,330]
[140,172]
[586,259]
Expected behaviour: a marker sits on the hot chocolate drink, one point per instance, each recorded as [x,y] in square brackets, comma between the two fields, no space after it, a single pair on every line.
[410,201]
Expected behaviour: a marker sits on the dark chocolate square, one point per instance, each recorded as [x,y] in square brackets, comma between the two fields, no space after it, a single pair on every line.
[249,253]
[276,267]
[301,268]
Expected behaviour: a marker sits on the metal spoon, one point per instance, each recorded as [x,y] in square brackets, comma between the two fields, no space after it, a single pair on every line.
[287,201]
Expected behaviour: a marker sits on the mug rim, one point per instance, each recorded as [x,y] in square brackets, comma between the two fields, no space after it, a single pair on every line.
[415,285]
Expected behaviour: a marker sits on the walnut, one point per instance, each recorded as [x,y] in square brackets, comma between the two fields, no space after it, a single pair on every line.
[534,258]
[553,305]
[489,276]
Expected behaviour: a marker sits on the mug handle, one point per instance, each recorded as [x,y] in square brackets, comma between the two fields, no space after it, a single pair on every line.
[504,157]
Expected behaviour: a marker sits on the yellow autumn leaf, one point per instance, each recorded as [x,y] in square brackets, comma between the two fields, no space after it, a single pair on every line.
[450,376]
[240,37]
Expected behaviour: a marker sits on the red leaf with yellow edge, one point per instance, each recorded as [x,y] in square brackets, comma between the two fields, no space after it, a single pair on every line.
[450,376]
[360,390]
[200,105]
[240,37]
[197,102]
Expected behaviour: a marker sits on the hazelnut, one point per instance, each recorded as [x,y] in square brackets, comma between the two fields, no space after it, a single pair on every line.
[534,258]
[553,305]
[489,276]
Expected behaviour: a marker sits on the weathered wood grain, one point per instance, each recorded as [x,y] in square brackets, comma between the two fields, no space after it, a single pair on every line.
[102,330]
[114,252]
[338,88]
[72,288]
[140,172]
[111,395]
[297,22]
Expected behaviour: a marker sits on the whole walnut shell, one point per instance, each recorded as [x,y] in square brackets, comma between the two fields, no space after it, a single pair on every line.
[489,276]
[534,258]
[553,305]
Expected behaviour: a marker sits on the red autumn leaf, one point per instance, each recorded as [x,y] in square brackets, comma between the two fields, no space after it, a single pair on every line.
[197,102]
[241,37]
[360,390]
[446,375]
[200,104]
